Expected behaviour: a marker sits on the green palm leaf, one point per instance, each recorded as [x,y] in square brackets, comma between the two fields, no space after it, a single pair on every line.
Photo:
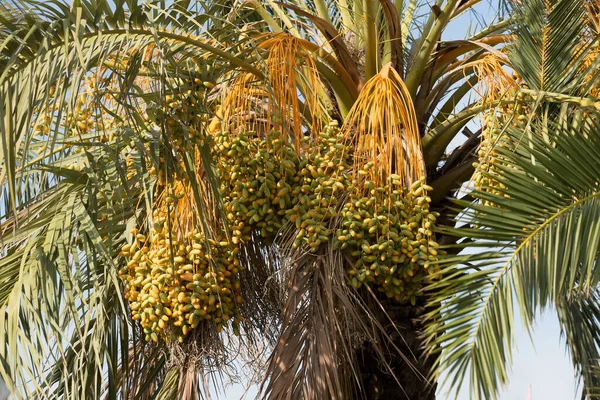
[579,318]
[66,328]
[62,227]
[546,227]
[549,49]
[64,320]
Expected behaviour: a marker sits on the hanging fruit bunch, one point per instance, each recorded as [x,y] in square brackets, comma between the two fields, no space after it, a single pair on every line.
[486,167]
[182,118]
[86,116]
[258,178]
[324,171]
[81,120]
[176,277]
[388,229]
[184,115]
[494,122]
[386,225]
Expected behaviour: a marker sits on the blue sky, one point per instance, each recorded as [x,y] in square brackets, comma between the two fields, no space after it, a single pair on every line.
[544,365]
[541,364]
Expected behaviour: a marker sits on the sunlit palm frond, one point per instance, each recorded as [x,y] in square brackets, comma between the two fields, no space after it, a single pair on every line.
[133,59]
[549,49]
[579,319]
[66,325]
[77,174]
[542,229]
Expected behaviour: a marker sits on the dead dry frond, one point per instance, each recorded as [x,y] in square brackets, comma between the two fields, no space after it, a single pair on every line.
[324,322]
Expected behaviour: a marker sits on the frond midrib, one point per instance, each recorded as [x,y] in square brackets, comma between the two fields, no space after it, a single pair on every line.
[518,249]
[147,32]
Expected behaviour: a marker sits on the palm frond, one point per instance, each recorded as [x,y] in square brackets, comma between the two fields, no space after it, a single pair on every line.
[73,188]
[579,318]
[542,224]
[64,318]
[76,178]
[549,48]
[52,80]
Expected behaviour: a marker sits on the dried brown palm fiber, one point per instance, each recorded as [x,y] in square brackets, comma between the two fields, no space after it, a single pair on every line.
[325,321]
[203,357]
[143,359]
[401,326]
[305,362]
[262,291]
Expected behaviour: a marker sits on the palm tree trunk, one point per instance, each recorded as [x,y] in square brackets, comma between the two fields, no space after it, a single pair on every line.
[409,382]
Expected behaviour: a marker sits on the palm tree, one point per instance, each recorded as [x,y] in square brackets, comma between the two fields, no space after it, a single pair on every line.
[127,127]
